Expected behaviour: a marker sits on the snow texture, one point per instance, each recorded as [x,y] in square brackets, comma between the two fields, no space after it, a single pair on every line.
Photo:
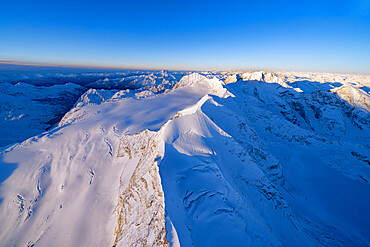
[201,159]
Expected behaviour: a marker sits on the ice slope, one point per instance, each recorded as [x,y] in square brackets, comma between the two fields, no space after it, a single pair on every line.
[250,163]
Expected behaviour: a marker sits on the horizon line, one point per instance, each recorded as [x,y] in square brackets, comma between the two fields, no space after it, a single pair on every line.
[97,67]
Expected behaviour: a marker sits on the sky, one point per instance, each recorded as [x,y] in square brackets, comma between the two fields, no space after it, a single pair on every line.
[325,35]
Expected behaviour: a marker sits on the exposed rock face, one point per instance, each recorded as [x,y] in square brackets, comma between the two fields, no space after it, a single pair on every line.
[140,208]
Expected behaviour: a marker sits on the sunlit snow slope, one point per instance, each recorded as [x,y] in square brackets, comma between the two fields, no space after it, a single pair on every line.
[262,160]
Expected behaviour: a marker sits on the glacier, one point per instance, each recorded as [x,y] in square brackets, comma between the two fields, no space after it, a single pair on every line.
[247,158]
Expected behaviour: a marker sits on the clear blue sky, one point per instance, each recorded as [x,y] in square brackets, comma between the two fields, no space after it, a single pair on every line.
[323,35]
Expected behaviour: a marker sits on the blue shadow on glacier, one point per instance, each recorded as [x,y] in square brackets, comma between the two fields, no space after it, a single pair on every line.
[6,170]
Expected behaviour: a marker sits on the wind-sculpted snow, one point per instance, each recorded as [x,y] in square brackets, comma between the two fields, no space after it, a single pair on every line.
[262,159]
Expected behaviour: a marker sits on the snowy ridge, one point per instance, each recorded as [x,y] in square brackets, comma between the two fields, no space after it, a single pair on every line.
[268,166]
[196,79]
[350,91]
[355,96]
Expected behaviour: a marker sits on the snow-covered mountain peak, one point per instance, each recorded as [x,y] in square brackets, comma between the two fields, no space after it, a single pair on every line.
[232,78]
[192,79]
[253,76]
[355,96]
[265,77]
[199,80]
[165,165]
[94,96]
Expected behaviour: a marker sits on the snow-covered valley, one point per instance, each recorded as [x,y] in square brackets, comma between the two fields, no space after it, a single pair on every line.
[190,159]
